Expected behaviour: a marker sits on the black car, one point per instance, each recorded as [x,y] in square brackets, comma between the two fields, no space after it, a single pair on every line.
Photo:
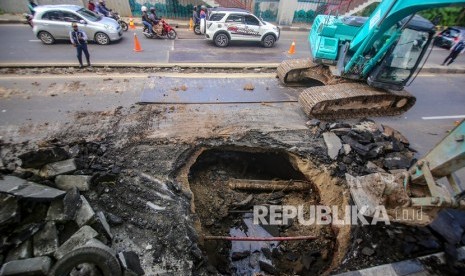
[450,36]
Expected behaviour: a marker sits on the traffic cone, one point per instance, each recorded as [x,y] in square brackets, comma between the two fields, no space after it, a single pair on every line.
[292,48]
[131,23]
[137,47]
[191,24]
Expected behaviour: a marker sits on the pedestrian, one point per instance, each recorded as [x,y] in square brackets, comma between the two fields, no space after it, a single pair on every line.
[91,5]
[79,40]
[455,50]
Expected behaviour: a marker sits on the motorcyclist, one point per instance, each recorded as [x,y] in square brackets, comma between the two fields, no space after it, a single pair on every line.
[102,9]
[153,16]
[195,16]
[145,19]
[154,20]
[203,13]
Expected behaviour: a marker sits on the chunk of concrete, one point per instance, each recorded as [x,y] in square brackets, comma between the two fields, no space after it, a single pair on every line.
[390,132]
[46,240]
[23,251]
[67,182]
[9,209]
[85,213]
[34,266]
[72,203]
[57,168]
[36,159]
[130,262]
[23,233]
[79,239]
[101,225]
[56,211]
[25,189]
[333,143]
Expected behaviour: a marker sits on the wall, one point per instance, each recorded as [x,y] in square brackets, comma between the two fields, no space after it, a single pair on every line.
[20,6]
[266,9]
[166,8]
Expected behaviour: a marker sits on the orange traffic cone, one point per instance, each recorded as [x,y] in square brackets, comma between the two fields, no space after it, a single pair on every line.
[131,23]
[191,25]
[137,47]
[292,48]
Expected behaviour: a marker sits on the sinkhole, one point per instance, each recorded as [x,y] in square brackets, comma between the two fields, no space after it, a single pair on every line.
[227,183]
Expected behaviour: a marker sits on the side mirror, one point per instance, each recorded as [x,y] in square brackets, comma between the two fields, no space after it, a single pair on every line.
[83,22]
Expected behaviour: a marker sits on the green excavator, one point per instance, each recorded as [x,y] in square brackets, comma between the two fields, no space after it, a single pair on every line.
[360,66]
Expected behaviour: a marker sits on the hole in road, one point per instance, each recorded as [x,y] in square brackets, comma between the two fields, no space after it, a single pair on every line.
[227,184]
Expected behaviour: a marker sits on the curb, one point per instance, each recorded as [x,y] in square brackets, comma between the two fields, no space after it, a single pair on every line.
[146,65]
[403,268]
[435,70]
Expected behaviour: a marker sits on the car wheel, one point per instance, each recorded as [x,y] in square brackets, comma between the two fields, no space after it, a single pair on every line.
[102,39]
[124,25]
[46,37]
[221,40]
[268,41]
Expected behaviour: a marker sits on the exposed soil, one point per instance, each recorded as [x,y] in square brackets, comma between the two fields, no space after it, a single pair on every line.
[219,209]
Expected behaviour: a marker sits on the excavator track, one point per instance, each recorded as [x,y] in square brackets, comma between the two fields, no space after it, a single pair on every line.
[331,97]
[353,100]
[303,72]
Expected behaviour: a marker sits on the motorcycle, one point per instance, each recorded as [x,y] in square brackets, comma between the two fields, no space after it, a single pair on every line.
[118,19]
[161,30]
[197,28]
[28,18]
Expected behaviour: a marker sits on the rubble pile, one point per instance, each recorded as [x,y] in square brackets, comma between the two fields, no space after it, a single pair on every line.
[364,147]
[47,225]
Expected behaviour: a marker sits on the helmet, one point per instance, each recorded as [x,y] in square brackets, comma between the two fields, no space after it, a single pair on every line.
[143,9]
[203,7]
[152,9]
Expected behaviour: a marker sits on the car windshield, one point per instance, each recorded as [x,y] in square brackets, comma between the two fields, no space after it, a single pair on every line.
[89,15]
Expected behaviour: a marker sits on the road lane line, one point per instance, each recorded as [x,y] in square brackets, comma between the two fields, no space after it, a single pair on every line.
[444,117]
[34,40]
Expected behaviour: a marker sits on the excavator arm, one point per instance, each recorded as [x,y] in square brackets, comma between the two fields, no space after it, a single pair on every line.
[425,189]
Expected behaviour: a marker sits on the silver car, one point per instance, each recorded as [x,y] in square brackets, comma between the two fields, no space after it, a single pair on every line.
[53,22]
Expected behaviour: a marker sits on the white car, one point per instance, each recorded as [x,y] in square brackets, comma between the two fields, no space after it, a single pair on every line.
[229,24]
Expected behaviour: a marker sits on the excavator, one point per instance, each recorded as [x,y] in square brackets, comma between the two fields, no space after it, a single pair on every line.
[360,66]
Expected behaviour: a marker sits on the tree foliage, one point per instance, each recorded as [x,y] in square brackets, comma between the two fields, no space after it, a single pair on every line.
[448,16]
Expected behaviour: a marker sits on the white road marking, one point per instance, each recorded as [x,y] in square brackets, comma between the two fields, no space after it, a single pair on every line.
[444,117]
[34,40]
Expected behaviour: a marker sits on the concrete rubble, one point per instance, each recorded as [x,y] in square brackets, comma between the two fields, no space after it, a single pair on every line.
[364,147]
[41,224]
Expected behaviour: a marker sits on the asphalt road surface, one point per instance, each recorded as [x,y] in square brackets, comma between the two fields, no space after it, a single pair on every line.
[19,45]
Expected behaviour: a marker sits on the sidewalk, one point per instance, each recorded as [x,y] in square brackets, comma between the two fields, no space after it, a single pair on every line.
[430,66]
